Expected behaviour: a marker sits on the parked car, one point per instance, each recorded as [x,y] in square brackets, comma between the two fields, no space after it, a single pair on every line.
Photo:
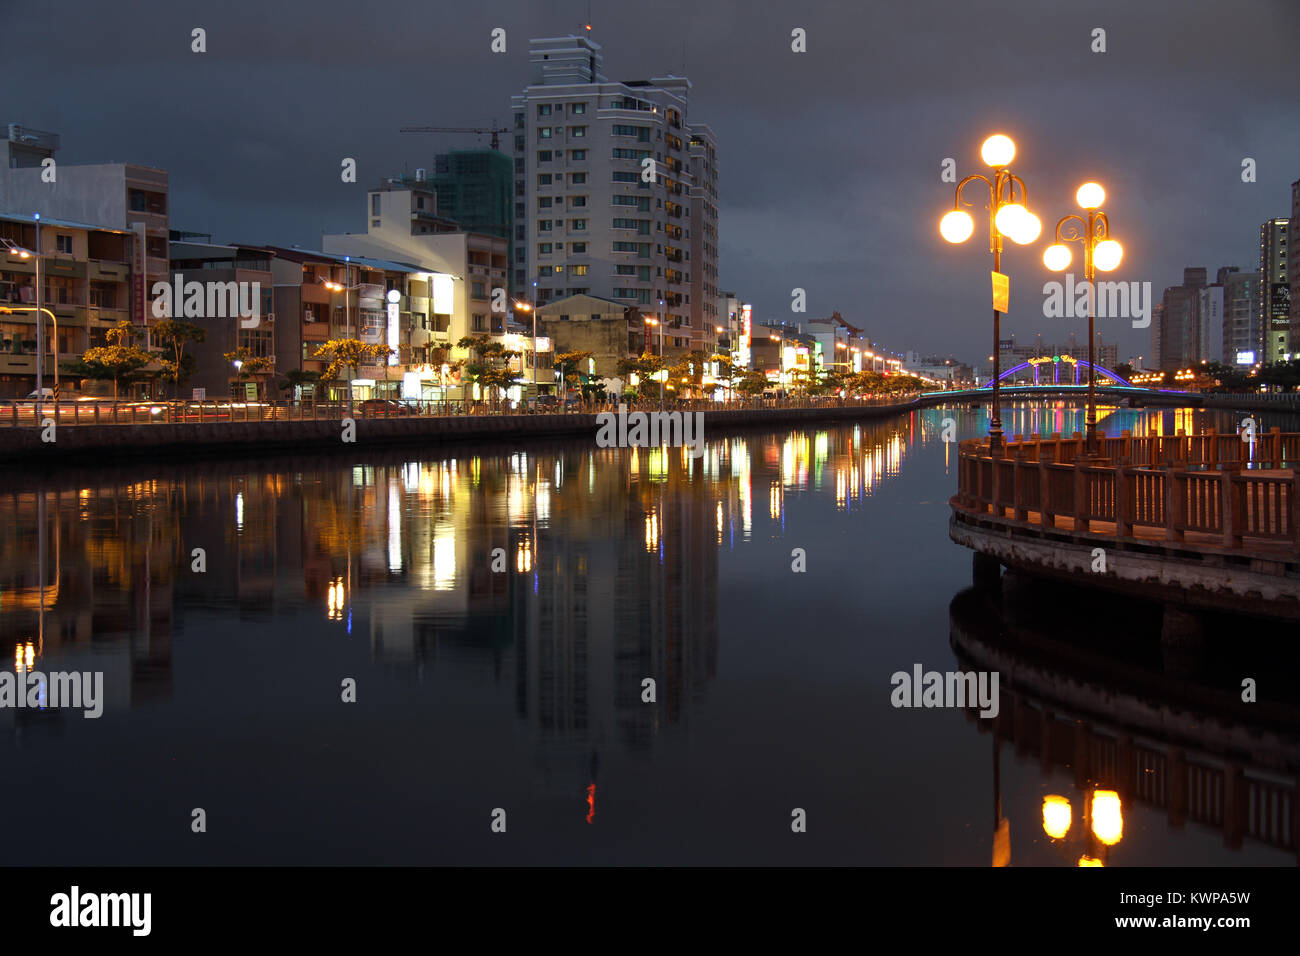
[544,403]
[377,407]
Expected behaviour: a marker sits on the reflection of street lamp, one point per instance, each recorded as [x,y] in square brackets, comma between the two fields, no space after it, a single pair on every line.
[1103,821]
[1007,217]
[1099,252]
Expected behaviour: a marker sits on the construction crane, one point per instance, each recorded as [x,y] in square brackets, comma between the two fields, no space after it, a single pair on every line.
[496,142]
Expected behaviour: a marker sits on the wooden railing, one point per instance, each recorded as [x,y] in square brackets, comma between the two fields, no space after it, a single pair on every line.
[1142,487]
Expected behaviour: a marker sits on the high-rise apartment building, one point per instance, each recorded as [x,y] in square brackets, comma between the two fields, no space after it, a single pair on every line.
[1243,337]
[474,187]
[1275,291]
[1180,335]
[615,192]
[1293,266]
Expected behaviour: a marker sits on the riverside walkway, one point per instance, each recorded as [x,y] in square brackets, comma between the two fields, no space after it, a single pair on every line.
[1195,521]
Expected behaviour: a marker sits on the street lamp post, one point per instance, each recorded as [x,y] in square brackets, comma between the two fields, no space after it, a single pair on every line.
[1009,217]
[24,253]
[1099,252]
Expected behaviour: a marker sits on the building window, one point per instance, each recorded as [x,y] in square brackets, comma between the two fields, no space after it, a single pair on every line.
[578,154]
[374,223]
[578,108]
[543,225]
[578,270]
[577,179]
[625,177]
[577,201]
[543,179]
[374,204]
[63,244]
[577,248]
[543,155]
[543,109]
[578,225]
[544,133]
[544,202]
[479,290]
[543,248]
[576,131]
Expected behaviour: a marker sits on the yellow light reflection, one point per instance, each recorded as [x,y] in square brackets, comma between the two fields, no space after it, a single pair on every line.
[1107,817]
[335,599]
[1057,816]
[652,532]
[1089,861]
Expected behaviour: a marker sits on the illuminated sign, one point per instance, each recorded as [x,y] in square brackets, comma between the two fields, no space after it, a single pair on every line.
[746,316]
[1245,358]
[444,294]
[393,334]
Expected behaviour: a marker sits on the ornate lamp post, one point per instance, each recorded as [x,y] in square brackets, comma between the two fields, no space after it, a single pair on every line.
[1007,217]
[1099,252]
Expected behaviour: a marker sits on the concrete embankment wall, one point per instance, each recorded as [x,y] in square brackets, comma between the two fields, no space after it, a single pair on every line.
[117,442]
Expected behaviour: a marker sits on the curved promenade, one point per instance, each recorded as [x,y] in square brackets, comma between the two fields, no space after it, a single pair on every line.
[1205,521]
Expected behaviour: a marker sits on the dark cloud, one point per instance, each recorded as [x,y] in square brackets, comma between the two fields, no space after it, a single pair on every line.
[829,160]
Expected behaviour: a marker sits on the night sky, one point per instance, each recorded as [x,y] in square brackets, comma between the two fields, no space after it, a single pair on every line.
[829,160]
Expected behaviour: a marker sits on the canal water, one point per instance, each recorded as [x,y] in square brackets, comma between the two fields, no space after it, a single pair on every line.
[499,611]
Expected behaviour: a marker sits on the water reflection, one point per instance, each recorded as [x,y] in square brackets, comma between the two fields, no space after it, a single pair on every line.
[1119,725]
[501,609]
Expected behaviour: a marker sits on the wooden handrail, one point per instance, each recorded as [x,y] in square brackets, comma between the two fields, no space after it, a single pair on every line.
[1144,488]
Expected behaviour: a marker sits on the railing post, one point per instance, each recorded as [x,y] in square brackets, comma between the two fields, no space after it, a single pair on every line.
[1294,516]
[1045,516]
[1080,509]
[1275,447]
[1126,448]
[1175,504]
[995,485]
[1018,478]
[1230,504]
[1123,500]
[1211,448]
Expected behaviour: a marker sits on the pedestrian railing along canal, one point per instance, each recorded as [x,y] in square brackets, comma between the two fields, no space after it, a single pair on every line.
[1207,490]
[26,413]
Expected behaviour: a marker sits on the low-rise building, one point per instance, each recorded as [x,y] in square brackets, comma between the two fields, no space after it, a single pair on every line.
[87,276]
